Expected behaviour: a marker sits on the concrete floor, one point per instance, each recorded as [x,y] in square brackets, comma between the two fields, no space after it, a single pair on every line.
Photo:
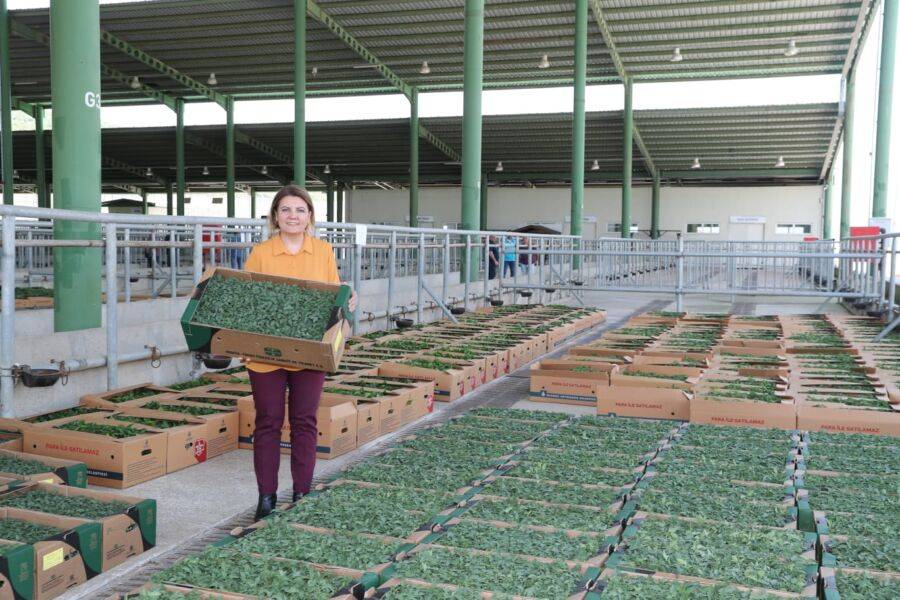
[195,503]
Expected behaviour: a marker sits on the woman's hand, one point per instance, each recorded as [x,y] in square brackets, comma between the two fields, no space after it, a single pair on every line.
[352,303]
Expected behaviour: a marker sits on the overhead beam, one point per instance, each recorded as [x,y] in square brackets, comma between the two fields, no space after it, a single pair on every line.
[610,42]
[114,163]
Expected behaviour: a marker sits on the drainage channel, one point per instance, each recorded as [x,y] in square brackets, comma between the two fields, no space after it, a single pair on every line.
[500,393]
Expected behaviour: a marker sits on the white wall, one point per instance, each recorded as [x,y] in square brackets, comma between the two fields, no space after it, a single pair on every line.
[509,208]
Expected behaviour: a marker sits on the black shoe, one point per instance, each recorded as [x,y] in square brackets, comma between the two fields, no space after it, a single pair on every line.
[297,496]
[266,505]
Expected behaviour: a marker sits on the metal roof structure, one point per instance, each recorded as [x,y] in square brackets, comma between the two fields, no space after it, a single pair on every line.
[733,144]
[250,48]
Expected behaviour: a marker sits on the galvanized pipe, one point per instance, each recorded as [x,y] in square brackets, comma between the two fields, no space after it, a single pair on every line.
[8,318]
[421,277]
[74,365]
[126,271]
[392,268]
[112,304]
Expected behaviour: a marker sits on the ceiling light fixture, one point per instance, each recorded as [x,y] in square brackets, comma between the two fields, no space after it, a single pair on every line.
[676,55]
[327,169]
[499,167]
[135,83]
[148,172]
[696,164]
[425,70]
[596,165]
[779,164]
[264,170]
[544,62]
[314,71]
[206,170]
[15,173]
[792,49]
[212,79]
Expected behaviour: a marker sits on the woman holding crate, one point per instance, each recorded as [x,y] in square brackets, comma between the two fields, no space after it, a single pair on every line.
[291,251]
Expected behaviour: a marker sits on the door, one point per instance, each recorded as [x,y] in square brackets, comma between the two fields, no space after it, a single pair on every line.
[747,232]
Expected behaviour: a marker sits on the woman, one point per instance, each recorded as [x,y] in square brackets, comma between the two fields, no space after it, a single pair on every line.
[291,251]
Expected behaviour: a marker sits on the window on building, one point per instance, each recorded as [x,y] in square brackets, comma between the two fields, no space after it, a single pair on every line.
[217,200]
[793,228]
[703,228]
[187,199]
[617,228]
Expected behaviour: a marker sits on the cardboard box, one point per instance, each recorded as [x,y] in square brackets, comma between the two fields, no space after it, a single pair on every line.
[368,421]
[692,373]
[111,462]
[222,426]
[319,355]
[643,402]
[64,472]
[837,419]
[108,399]
[337,429]
[47,568]
[555,381]
[388,405]
[743,413]
[11,440]
[449,385]
[418,396]
[187,443]
[124,534]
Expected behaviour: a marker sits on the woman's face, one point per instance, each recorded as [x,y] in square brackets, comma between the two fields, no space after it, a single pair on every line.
[292,215]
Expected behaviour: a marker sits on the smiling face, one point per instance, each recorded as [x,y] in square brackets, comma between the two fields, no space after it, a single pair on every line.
[293,215]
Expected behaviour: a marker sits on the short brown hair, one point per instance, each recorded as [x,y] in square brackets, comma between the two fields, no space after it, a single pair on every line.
[297,192]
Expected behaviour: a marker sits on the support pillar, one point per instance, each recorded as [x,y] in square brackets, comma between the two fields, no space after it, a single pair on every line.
[300,92]
[6,145]
[576,211]
[144,200]
[654,208]
[179,155]
[473,59]
[169,201]
[885,104]
[627,153]
[75,81]
[414,159]
[229,155]
[252,202]
[40,157]
[826,206]
[847,172]
[484,203]
[329,200]
[340,203]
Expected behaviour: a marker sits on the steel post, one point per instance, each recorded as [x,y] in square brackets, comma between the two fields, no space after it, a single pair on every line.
[885,105]
[339,200]
[446,268]
[578,120]
[153,265]
[484,202]
[126,265]
[198,253]
[8,317]
[6,135]
[75,82]
[679,283]
[487,268]
[891,276]
[473,58]
[174,258]
[466,261]
[357,269]
[253,203]
[826,206]
[414,158]
[421,277]
[300,92]
[169,201]
[144,202]
[847,172]
[654,208]
[229,154]
[179,155]
[392,272]
[40,157]
[112,307]
[329,199]
[627,154]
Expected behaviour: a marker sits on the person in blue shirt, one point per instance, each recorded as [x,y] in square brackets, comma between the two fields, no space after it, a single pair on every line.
[510,248]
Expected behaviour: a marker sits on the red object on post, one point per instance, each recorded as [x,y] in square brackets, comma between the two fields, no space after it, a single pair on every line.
[864,245]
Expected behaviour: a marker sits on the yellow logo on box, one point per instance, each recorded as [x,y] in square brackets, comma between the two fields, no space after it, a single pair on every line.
[337,340]
[53,559]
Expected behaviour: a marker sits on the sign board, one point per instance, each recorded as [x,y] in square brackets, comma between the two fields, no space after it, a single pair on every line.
[881,222]
[746,219]
[361,234]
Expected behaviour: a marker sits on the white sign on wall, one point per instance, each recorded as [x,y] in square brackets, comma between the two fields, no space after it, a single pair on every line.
[883,222]
[745,219]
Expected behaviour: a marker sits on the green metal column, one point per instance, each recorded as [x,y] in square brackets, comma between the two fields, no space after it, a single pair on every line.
[627,146]
[826,208]
[179,154]
[6,147]
[252,202]
[484,202]
[329,200]
[169,202]
[144,200]
[340,203]
[577,203]
[40,157]
[654,208]
[885,103]
[229,154]
[847,172]
[473,63]
[75,81]
[414,158]
[300,92]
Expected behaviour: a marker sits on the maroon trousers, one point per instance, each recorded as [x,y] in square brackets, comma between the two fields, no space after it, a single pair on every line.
[303,391]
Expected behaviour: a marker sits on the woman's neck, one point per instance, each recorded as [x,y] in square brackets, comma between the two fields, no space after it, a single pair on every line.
[293,241]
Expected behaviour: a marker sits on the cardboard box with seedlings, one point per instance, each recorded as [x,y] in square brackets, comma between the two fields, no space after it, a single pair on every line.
[222,422]
[568,381]
[44,469]
[418,394]
[635,394]
[117,455]
[452,378]
[45,555]
[840,418]
[113,399]
[128,523]
[389,403]
[11,439]
[242,314]
[186,436]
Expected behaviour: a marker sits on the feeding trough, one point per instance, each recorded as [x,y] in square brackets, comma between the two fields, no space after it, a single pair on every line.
[38,376]
[403,323]
[457,310]
[215,361]
[496,302]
